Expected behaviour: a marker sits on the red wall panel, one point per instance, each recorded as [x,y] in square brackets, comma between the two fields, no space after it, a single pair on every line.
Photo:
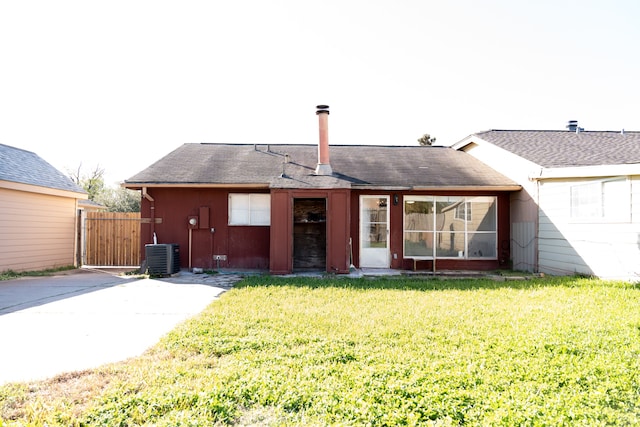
[338,232]
[272,247]
[245,247]
[281,251]
[338,209]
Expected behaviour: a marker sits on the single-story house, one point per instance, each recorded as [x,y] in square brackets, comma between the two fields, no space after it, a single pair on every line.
[292,207]
[91,206]
[579,208]
[38,213]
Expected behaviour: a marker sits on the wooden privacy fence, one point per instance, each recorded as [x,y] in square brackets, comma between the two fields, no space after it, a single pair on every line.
[112,239]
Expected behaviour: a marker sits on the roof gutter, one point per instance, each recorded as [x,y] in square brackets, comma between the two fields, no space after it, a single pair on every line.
[142,185]
[146,195]
[514,187]
[586,171]
[380,187]
[30,188]
[474,188]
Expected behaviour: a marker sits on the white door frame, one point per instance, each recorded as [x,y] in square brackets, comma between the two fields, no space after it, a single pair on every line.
[374,231]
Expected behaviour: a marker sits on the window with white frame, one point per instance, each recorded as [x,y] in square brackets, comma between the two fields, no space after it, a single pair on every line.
[432,227]
[601,200]
[463,212]
[418,226]
[249,209]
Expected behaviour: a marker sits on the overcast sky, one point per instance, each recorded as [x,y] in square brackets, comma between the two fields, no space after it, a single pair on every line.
[120,84]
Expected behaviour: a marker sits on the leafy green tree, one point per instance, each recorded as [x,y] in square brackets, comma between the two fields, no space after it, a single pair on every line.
[117,199]
[120,199]
[93,182]
[426,139]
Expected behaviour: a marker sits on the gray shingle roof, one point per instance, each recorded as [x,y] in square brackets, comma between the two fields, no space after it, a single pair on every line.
[25,167]
[550,148]
[353,166]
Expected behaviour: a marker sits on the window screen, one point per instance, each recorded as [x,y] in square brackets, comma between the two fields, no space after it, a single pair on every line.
[249,209]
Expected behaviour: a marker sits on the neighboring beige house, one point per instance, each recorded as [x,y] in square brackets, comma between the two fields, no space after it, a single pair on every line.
[87,205]
[38,213]
[579,208]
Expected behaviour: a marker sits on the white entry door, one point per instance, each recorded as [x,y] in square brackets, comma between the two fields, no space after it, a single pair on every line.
[374,232]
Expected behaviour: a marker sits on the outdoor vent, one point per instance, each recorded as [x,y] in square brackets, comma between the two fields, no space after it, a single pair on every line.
[162,259]
[572,125]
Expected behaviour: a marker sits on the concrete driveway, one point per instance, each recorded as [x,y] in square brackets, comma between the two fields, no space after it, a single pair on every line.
[83,319]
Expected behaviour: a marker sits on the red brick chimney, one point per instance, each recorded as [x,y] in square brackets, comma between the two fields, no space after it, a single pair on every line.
[324,167]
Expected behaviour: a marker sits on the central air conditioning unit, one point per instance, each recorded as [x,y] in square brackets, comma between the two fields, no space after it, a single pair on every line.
[162,259]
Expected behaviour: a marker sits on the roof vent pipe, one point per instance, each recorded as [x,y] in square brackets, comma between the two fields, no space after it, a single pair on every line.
[323,167]
[573,126]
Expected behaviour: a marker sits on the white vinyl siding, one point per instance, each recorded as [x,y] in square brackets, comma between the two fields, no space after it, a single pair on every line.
[523,246]
[37,231]
[249,209]
[608,200]
[634,182]
[603,246]
[544,235]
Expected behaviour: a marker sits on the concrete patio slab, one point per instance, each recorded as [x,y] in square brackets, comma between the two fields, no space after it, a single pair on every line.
[52,325]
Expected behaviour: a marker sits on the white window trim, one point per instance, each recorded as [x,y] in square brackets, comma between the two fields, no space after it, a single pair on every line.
[602,216]
[434,199]
[463,212]
[253,200]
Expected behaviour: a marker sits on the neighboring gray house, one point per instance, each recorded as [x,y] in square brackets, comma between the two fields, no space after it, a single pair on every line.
[579,208]
[38,213]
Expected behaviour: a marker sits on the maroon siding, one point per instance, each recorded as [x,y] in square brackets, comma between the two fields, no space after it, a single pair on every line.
[262,247]
[338,232]
[245,247]
[281,261]
[248,247]
[338,208]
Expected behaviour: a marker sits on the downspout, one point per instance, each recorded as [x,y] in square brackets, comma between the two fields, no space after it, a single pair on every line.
[82,250]
[192,223]
[190,239]
[152,208]
[77,247]
[536,253]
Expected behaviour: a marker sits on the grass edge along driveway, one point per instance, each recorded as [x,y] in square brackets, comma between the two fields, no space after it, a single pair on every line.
[378,352]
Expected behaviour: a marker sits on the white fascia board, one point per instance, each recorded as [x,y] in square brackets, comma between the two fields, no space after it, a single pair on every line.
[586,171]
[466,141]
[474,139]
[504,161]
[30,188]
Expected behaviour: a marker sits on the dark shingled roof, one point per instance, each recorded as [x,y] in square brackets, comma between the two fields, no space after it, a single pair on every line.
[25,167]
[353,166]
[550,148]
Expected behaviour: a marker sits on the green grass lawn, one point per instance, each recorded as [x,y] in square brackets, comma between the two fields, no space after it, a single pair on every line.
[383,352]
